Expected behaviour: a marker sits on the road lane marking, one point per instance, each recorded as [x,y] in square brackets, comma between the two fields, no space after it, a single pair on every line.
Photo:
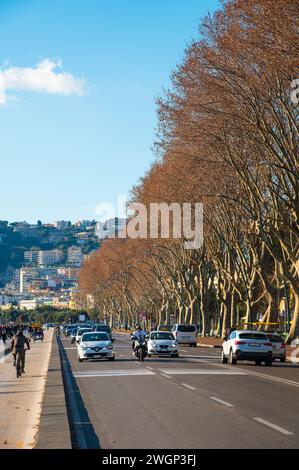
[200,372]
[113,373]
[166,376]
[274,426]
[222,401]
[200,357]
[150,368]
[259,374]
[188,386]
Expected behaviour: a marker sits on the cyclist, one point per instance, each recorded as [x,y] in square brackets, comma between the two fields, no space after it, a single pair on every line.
[18,343]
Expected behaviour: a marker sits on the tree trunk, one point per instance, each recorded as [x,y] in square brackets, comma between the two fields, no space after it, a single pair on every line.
[294,330]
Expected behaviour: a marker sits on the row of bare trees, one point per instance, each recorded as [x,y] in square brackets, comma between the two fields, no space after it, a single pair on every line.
[227,137]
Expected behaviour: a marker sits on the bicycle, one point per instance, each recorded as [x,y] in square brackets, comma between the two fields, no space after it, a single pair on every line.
[18,364]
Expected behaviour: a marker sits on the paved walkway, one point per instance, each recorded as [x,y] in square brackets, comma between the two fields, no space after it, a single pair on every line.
[20,399]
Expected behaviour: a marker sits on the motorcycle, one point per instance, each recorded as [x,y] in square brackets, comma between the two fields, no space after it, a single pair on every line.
[140,349]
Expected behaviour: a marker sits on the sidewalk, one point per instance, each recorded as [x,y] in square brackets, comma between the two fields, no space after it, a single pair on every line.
[20,399]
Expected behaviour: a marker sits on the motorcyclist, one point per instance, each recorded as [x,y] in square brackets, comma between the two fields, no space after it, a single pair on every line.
[18,343]
[138,335]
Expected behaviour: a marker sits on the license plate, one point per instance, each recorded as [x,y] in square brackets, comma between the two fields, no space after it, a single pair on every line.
[254,345]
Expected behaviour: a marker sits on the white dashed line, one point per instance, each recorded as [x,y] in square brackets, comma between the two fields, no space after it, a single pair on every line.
[200,372]
[225,403]
[113,373]
[166,376]
[188,386]
[274,426]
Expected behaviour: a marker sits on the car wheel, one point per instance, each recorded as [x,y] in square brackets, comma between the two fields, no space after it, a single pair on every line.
[223,357]
[282,359]
[232,359]
[149,355]
[268,362]
[258,363]
[111,358]
[79,359]
[174,355]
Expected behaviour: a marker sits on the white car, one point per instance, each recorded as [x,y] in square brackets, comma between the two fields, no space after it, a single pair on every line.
[80,332]
[162,343]
[245,345]
[94,345]
[278,347]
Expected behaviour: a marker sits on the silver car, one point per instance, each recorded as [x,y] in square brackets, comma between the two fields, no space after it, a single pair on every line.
[162,343]
[278,347]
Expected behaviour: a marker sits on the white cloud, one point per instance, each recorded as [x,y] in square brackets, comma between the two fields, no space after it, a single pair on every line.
[45,77]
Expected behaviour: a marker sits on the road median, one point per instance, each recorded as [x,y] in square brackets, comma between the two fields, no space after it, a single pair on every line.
[54,430]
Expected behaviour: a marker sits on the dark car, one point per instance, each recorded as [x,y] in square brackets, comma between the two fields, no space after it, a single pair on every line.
[103,328]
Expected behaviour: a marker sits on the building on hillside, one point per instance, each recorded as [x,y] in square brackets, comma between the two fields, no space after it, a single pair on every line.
[75,256]
[62,224]
[49,258]
[28,304]
[31,257]
[111,228]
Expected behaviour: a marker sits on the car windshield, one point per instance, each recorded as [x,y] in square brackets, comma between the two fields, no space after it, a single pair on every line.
[253,336]
[186,328]
[95,337]
[275,339]
[163,336]
[80,332]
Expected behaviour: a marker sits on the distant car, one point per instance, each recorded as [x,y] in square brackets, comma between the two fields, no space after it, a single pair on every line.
[68,328]
[162,343]
[163,328]
[103,328]
[246,345]
[278,347]
[185,334]
[80,332]
[95,345]
[73,335]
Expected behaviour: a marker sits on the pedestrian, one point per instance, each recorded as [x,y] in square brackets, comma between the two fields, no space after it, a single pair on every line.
[3,335]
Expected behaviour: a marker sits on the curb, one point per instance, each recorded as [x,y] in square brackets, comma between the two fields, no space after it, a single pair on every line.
[7,350]
[54,430]
[204,345]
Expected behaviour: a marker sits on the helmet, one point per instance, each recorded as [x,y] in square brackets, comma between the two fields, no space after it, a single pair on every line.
[138,327]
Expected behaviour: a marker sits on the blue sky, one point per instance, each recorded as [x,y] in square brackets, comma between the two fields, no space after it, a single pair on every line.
[62,155]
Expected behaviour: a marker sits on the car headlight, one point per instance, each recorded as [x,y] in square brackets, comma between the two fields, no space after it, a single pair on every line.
[109,347]
[153,344]
[174,345]
[83,347]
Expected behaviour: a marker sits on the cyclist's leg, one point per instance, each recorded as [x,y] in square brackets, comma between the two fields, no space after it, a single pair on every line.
[23,360]
[14,358]
[18,360]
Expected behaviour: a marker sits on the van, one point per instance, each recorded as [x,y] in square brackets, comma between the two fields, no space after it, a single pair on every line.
[185,334]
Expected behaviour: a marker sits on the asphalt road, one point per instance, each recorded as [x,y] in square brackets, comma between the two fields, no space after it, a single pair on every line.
[193,401]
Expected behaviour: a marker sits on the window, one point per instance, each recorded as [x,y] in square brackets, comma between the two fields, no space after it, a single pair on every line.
[261,337]
[186,328]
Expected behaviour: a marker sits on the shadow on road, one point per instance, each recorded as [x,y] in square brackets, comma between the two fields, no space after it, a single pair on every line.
[80,424]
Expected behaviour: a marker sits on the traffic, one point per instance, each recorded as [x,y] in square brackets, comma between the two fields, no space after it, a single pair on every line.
[95,341]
